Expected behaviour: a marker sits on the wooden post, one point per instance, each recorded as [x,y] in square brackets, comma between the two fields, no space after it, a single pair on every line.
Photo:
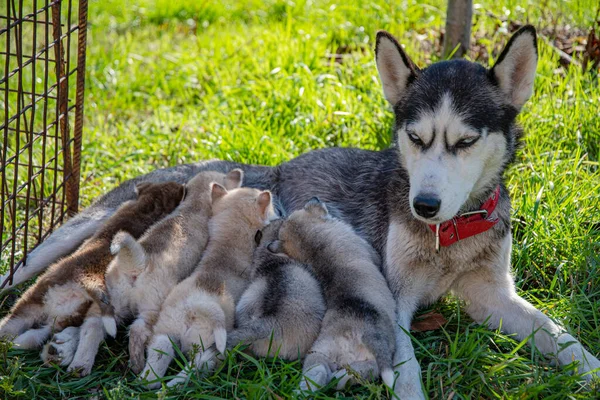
[458,28]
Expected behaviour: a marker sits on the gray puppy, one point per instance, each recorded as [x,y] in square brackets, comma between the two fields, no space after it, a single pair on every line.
[282,309]
[357,333]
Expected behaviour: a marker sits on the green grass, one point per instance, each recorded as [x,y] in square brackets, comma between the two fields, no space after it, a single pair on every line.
[171,82]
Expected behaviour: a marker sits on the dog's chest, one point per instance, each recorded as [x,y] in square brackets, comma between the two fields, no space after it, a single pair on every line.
[411,260]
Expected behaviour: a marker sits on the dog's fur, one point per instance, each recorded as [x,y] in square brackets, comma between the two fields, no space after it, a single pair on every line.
[73,292]
[199,310]
[357,334]
[281,311]
[373,191]
[143,273]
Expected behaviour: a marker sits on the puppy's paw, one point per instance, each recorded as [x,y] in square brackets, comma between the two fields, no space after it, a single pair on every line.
[61,349]
[81,368]
[139,335]
[344,378]
[314,378]
[32,339]
[148,378]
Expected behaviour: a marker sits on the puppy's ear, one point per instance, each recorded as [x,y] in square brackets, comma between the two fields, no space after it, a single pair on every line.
[141,188]
[264,202]
[258,237]
[396,69]
[217,192]
[234,178]
[515,69]
[316,207]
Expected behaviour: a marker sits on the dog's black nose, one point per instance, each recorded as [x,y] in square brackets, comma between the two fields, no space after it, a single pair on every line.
[426,205]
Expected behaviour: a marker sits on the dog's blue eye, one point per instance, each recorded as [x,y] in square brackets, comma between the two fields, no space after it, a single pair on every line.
[464,143]
[415,139]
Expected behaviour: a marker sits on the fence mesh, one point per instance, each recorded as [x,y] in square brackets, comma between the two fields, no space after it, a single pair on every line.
[42,53]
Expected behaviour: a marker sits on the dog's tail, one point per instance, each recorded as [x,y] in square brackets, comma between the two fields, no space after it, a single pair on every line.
[381,341]
[387,376]
[211,319]
[98,292]
[131,254]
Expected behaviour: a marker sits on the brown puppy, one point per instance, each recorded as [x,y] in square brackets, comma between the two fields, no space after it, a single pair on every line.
[73,289]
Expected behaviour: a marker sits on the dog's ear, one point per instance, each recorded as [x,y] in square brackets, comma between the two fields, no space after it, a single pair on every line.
[316,207]
[217,192]
[396,69]
[234,178]
[264,201]
[141,188]
[515,69]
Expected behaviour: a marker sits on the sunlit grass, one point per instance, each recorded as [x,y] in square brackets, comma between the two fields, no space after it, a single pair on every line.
[171,82]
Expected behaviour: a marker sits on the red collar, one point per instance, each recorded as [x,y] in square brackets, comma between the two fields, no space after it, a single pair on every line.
[468,224]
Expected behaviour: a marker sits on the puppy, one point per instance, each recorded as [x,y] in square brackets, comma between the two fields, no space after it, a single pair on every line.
[199,310]
[282,309]
[357,333]
[72,292]
[143,273]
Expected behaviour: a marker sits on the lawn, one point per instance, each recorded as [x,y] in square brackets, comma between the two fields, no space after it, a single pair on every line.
[171,82]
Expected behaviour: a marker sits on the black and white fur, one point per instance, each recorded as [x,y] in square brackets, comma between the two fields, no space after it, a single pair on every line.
[375,192]
[357,333]
[281,311]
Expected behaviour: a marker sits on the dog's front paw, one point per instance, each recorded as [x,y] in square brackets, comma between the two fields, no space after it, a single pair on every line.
[409,391]
[61,349]
[571,350]
[589,367]
[407,385]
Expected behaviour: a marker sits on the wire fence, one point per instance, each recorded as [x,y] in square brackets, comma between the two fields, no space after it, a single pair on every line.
[42,52]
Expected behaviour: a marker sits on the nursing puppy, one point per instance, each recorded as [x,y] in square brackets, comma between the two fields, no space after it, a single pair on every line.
[145,271]
[72,292]
[282,309]
[357,333]
[200,309]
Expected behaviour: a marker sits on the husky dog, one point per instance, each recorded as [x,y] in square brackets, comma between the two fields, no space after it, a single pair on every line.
[143,273]
[357,333]
[199,310]
[73,292]
[455,135]
[281,311]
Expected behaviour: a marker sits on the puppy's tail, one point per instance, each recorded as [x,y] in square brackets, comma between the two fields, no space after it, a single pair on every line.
[99,294]
[129,251]
[387,376]
[380,340]
[212,317]
[219,330]
[220,333]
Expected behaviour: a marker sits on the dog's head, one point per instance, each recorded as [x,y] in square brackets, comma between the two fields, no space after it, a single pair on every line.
[455,122]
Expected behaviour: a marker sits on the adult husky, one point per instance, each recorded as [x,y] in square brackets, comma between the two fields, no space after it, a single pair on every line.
[455,134]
